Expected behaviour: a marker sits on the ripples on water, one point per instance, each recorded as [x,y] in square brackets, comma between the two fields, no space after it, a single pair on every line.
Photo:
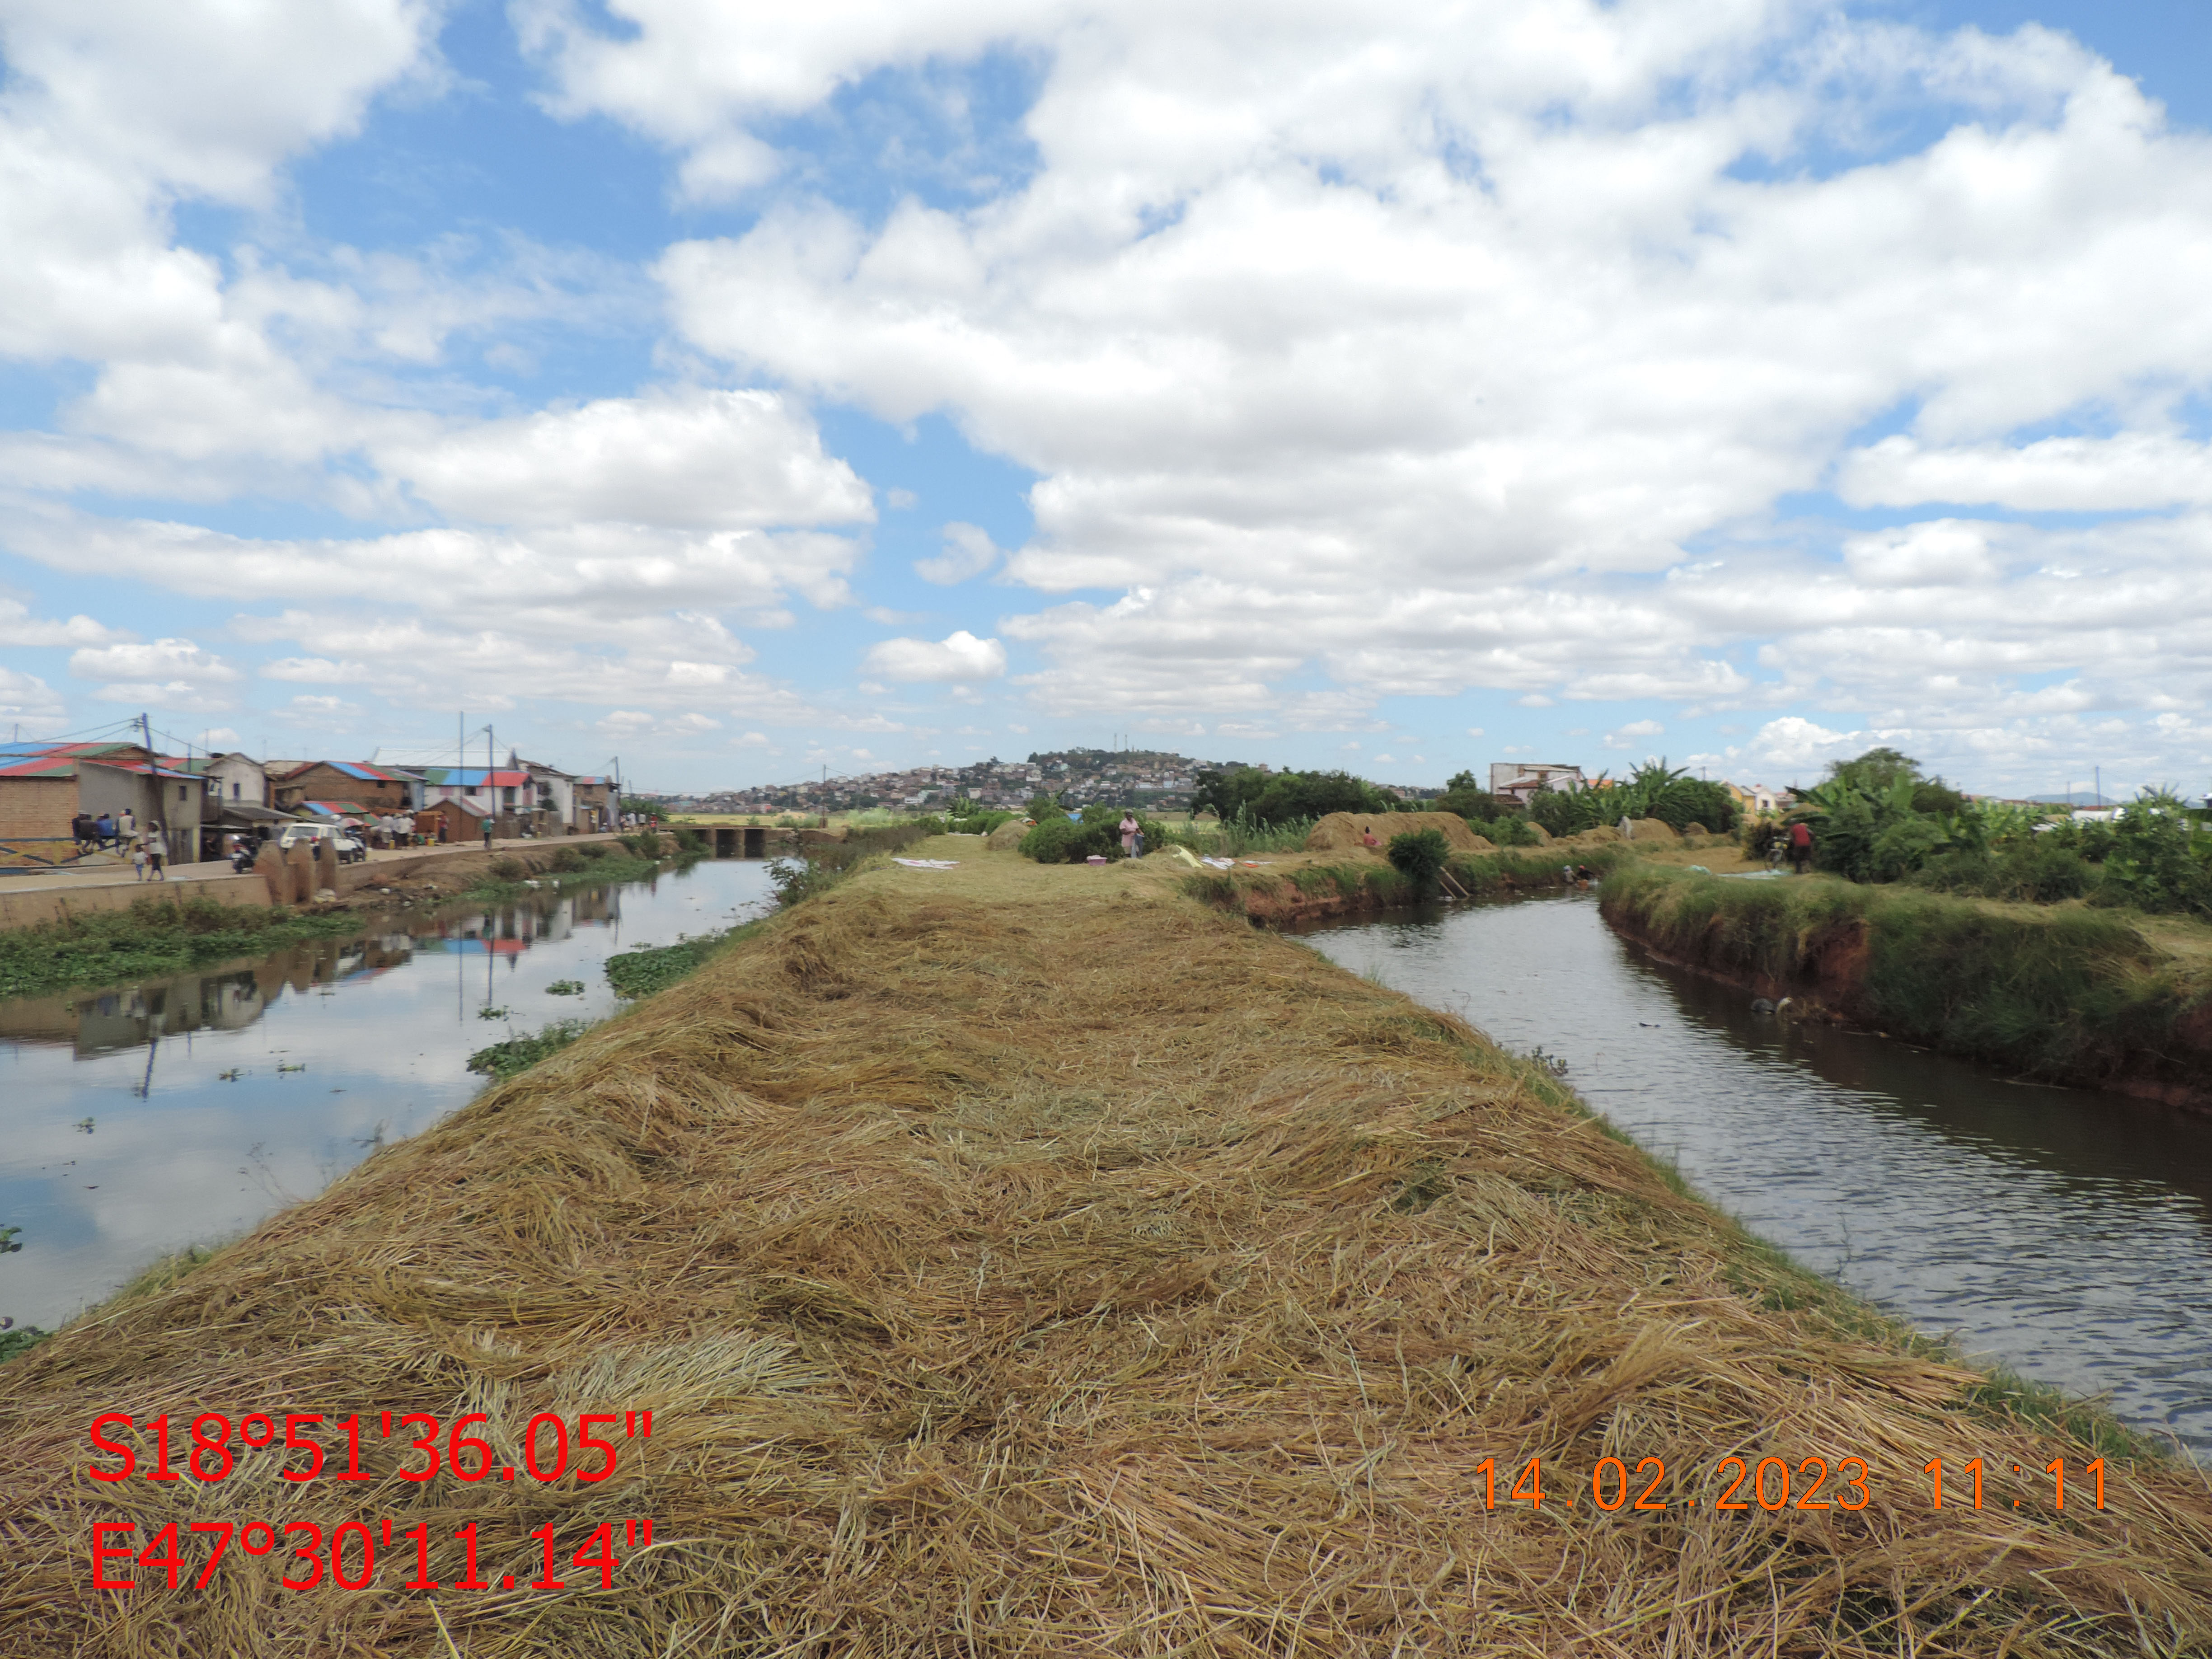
[2068,1235]
[137,1121]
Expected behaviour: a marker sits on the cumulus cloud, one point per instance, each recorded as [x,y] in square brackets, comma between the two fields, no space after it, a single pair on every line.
[696,458]
[958,656]
[1629,735]
[1416,363]
[26,700]
[968,551]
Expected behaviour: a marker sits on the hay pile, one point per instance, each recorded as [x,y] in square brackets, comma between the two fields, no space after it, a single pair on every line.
[1342,832]
[1655,832]
[1090,1277]
[1008,835]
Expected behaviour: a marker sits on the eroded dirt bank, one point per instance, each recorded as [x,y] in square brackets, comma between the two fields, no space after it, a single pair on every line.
[1029,1261]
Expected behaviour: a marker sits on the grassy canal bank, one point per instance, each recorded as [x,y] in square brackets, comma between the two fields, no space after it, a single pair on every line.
[1027,1259]
[165,933]
[2061,992]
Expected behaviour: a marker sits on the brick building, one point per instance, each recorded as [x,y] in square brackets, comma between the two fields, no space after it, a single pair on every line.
[374,788]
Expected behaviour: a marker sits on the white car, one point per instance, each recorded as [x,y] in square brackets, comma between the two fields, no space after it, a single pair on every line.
[349,846]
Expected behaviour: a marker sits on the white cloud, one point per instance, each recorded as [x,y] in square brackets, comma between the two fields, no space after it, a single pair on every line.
[1412,362]
[180,657]
[969,552]
[958,656]
[1628,736]
[26,700]
[689,459]
[18,627]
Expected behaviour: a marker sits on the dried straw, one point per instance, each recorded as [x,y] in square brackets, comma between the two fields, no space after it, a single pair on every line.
[1082,1277]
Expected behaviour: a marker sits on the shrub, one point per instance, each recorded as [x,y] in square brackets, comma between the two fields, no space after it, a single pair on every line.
[1419,856]
[567,861]
[509,869]
[592,851]
[1057,841]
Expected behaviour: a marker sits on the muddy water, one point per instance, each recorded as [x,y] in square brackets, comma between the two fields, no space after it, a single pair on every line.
[135,1122]
[2068,1235]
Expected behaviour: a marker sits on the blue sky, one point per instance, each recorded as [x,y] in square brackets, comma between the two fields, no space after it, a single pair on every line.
[1401,387]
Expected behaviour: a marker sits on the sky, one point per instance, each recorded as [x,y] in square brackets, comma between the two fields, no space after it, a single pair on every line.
[746,390]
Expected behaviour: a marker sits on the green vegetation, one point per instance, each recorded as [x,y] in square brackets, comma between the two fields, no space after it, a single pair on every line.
[155,936]
[1059,840]
[595,865]
[1420,857]
[1249,796]
[565,987]
[966,817]
[2069,994]
[15,1343]
[638,973]
[503,1061]
[822,865]
[1653,790]
[1879,818]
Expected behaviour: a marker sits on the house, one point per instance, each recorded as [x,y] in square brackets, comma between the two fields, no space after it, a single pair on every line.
[376,789]
[1756,797]
[1521,781]
[594,807]
[236,802]
[555,791]
[232,779]
[505,793]
[43,786]
[450,820]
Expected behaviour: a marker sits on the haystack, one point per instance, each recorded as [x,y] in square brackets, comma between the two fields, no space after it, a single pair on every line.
[1655,832]
[1008,835]
[1342,832]
[1594,837]
[1061,1275]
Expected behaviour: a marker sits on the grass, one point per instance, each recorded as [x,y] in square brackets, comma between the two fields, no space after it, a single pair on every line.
[2056,992]
[1024,1261]
[508,878]
[155,936]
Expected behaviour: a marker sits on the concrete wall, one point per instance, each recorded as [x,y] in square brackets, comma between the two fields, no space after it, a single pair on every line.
[27,909]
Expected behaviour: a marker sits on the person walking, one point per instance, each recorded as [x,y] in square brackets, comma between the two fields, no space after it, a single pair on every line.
[157,851]
[126,827]
[103,830]
[137,858]
[81,832]
[1801,848]
[1128,828]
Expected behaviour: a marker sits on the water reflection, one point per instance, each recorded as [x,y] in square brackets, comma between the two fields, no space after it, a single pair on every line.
[141,1119]
[2067,1234]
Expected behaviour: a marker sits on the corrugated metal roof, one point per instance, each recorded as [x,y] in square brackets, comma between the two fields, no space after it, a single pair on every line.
[336,809]
[471,777]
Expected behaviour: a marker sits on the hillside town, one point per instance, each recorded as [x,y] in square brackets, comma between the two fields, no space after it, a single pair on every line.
[1159,781]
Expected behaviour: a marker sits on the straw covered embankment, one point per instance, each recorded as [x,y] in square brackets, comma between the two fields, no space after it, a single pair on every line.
[1057,1268]
[2061,992]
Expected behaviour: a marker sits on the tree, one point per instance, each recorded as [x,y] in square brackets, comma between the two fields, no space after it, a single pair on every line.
[1464,796]
[1262,798]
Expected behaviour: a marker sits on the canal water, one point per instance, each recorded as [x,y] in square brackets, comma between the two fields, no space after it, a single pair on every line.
[2068,1235]
[136,1121]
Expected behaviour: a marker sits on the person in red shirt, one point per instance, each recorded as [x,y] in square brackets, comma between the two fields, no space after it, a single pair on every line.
[1801,848]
